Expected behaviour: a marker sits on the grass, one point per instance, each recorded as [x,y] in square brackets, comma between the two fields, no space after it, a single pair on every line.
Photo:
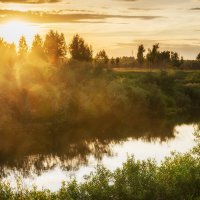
[147,70]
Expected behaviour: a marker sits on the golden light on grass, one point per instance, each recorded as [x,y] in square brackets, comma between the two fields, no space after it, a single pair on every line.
[13,30]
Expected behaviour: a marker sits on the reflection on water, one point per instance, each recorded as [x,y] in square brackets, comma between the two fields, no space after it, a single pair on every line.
[48,171]
[36,147]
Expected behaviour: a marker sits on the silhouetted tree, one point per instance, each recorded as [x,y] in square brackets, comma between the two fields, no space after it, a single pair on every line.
[11,54]
[79,50]
[198,57]
[175,60]
[23,48]
[117,61]
[140,54]
[2,44]
[152,55]
[112,61]
[163,58]
[7,52]
[102,57]
[38,47]
[55,47]
[182,60]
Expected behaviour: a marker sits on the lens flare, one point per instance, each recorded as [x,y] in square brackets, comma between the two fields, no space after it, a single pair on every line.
[13,30]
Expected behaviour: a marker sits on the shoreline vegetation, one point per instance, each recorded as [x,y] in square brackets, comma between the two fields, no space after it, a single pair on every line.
[177,177]
[44,94]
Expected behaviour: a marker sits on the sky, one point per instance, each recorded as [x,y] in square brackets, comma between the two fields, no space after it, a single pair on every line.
[118,26]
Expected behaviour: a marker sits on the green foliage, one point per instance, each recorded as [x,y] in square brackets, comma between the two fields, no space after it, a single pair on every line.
[179,177]
[135,180]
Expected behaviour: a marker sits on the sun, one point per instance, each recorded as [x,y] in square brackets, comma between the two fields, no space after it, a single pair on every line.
[13,30]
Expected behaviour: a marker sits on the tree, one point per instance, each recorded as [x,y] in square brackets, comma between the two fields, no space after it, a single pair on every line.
[152,55]
[37,47]
[198,57]
[79,50]
[117,61]
[8,53]
[112,61]
[175,61]
[55,47]
[11,54]
[102,57]
[23,48]
[182,60]
[140,54]
[163,58]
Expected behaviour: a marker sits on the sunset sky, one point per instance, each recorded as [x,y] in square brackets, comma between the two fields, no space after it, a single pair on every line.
[118,26]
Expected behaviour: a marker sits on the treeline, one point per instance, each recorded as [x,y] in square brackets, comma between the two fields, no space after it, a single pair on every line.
[54,49]
[156,58]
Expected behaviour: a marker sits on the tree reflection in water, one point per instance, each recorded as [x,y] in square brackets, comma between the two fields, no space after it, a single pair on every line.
[33,148]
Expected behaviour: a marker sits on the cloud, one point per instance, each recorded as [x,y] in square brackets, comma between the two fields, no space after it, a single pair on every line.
[29,1]
[197,8]
[163,42]
[144,9]
[138,42]
[47,17]
[128,0]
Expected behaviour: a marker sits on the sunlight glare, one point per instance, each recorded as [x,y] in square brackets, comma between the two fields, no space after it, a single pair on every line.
[13,30]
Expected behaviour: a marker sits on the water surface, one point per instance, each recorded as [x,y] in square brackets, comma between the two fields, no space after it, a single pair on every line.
[49,170]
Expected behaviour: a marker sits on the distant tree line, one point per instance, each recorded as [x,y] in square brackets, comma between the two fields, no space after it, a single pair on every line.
[54,50]
[156,58]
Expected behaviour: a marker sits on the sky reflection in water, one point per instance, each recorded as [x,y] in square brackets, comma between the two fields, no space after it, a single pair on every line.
[141,149]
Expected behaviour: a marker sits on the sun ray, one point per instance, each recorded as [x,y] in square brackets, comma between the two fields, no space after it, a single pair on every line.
[13,30]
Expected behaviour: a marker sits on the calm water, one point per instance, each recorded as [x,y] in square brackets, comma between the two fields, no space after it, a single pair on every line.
[49,170]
